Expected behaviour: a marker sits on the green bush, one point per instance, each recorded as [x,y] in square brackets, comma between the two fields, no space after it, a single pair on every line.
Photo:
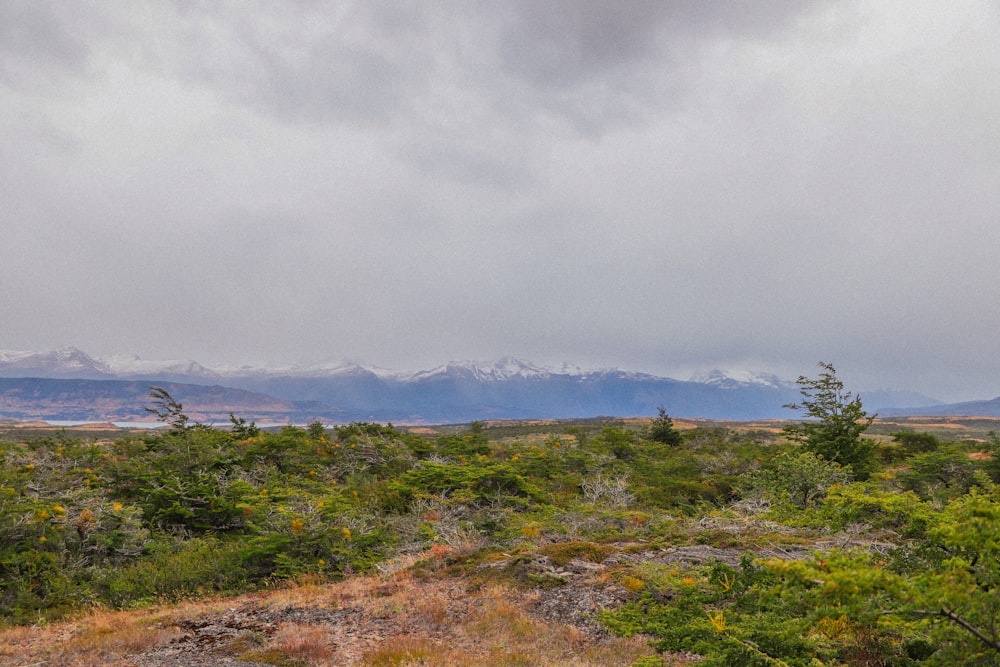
[178,570]
[913,442]
[562,553]
[941,473]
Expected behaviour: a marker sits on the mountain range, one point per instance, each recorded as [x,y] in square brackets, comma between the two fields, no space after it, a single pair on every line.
[68,384]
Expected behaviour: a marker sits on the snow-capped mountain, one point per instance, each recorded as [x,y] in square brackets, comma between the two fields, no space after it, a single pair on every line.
[508,388]
[72,362]
[506,368]
[60,362]
[133,366]
[734,379]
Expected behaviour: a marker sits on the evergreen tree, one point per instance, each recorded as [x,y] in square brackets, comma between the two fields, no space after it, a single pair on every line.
[662,429]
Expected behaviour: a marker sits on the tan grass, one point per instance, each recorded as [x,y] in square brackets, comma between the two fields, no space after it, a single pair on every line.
[304,642]
[405,650]
[438,622]
[506,634]
[304,591]
[100,638]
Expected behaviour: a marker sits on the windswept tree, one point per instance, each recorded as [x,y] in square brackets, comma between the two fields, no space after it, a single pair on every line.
[834,422]
[167,409]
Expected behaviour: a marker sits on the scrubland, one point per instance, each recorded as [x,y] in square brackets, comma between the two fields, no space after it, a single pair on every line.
[597,542]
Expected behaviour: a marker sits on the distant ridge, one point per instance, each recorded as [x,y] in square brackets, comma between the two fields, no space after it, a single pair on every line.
[989,408]
[50,399]
[508,388]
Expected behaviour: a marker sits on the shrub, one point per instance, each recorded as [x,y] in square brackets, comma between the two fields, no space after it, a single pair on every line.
[913,442]
[562,553]
[797,477]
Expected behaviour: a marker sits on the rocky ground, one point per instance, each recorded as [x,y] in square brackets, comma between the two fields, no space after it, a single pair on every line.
[438,611]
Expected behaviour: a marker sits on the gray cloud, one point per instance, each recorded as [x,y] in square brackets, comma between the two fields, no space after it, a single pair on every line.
[37,42]
[559,44]
[374,62]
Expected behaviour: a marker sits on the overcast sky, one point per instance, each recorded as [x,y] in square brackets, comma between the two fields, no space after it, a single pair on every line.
[654,185]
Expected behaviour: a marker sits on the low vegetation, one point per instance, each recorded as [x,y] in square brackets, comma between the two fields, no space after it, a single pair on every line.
[820,544]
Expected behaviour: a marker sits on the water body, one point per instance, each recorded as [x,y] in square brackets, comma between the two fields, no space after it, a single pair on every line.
[143,425]
[146,425]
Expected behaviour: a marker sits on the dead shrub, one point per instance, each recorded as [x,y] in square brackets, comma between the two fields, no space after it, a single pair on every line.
[304,642]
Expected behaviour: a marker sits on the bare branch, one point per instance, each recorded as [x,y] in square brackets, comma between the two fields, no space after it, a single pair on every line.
[961,622]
